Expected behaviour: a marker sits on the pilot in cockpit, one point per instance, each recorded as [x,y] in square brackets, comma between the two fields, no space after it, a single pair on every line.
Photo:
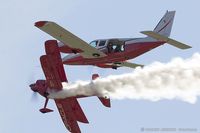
[114,48]
[118,48]
[110,47]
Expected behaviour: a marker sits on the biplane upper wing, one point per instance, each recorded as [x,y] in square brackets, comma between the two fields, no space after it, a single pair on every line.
[69,39]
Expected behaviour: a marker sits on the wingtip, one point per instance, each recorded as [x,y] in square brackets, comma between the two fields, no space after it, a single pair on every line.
[40,23]
[188,47]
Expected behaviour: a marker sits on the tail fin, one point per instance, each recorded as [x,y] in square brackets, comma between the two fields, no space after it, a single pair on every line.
[104,100]
[165,25]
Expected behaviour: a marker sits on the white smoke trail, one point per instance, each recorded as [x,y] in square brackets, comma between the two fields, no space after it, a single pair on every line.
[178,79]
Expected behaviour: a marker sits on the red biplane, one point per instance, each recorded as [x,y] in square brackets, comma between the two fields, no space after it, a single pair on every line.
[69,108]
[110,53]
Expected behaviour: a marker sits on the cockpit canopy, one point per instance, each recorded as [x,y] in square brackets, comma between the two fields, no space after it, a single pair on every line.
[105,42]
[112,45]
[94,43]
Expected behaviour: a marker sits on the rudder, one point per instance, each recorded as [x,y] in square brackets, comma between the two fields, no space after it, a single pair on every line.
[165,24]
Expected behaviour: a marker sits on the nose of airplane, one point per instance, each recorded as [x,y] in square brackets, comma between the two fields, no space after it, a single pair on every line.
[33,87]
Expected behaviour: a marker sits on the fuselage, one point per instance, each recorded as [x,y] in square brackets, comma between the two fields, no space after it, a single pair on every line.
[121,50]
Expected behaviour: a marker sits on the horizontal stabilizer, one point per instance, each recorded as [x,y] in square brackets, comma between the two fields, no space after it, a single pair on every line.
[166,39]
[105,102]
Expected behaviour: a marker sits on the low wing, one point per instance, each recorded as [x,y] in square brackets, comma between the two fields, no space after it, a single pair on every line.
[124,64]
[127,64]
[69,39]
[70,113]
[166,39]
[52,66]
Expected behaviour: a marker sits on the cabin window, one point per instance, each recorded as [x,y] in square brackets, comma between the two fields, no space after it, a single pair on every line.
[102,43]
[115,47]
[94,43]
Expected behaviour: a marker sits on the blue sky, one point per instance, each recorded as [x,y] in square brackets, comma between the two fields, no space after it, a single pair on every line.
[22,45]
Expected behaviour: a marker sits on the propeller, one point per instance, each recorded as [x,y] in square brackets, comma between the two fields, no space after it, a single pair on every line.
[35,72]
[34,96]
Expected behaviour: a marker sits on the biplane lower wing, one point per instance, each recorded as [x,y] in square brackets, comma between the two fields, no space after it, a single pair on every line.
[71,112]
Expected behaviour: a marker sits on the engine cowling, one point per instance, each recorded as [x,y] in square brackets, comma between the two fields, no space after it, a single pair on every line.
[41,87]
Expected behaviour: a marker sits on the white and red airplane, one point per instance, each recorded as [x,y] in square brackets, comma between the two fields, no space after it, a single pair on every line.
[110,53]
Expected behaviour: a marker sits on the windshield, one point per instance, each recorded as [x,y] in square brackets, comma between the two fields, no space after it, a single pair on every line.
[94,43]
